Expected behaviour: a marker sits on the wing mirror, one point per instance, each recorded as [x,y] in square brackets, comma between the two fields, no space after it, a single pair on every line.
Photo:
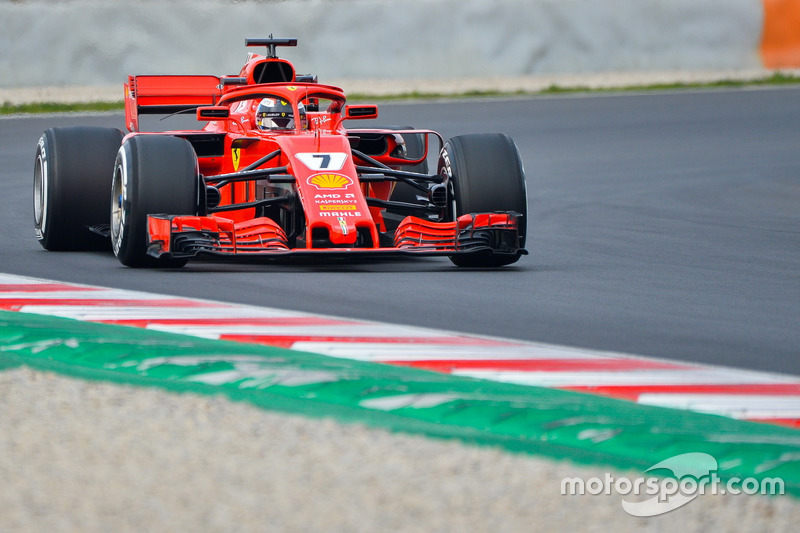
[213,113]
[358,112]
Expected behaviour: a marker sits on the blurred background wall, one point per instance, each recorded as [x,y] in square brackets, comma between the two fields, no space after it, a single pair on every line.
[96,42]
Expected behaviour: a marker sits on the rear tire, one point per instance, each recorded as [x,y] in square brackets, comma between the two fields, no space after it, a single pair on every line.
[71,177]
[153,174]
[485,174]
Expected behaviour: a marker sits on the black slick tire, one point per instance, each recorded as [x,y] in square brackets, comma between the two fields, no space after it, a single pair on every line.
[153,174]
[485,175]
[71,179]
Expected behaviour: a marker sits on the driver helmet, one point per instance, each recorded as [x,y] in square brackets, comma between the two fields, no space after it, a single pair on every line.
[276,114]
[400,150]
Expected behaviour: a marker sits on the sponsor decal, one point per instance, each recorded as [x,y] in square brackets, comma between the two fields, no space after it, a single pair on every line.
[337,207]
[334,198]
[343,225]
[333,202]
[340,214]
[329,181]
[236,154]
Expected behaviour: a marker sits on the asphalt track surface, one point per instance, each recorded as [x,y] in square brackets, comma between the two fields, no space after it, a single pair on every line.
[661,224]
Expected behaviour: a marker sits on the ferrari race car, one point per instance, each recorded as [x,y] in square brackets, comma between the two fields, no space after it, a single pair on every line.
[271,170]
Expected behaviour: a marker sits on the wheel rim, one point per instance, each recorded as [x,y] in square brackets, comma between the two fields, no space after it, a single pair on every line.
[117,214]
[40,194]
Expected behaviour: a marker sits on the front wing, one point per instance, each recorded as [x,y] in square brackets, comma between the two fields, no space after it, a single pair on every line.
[190,236]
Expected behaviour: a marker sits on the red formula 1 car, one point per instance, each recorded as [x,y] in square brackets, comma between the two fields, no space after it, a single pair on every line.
[273,172]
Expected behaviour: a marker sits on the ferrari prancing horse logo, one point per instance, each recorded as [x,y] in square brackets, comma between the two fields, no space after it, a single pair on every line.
[236,154]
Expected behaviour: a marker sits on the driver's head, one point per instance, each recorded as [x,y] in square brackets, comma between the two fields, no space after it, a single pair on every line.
[274,114]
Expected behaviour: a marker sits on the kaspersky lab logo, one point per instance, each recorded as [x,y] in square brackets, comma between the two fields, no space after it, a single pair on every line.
[673,483]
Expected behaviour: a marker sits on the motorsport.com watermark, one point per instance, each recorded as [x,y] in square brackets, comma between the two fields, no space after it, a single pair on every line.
[693,474]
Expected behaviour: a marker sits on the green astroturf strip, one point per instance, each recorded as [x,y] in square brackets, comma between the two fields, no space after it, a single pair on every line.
[559,424]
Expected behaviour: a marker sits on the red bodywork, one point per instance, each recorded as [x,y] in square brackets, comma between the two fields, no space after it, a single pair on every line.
[316,183]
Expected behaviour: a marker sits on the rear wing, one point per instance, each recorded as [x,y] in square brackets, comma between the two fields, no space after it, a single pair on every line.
[168,94]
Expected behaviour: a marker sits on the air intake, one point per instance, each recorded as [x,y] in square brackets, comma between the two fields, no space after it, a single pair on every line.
[438,195]
[213,197]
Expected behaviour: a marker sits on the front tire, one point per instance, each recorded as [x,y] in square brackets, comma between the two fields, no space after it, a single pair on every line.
[484,174]
[153,174]
[71,177]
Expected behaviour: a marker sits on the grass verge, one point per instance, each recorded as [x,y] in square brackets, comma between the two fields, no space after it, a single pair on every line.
[777,78]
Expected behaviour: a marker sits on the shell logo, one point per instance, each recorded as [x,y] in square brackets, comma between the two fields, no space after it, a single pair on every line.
[329,181]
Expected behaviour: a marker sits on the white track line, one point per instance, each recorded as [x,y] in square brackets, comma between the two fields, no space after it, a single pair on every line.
[505,360]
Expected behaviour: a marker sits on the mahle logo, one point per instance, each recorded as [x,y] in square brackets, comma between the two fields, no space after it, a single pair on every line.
[690,475]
